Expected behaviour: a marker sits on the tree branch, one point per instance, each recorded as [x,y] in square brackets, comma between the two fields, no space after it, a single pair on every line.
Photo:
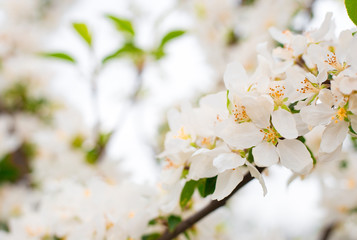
[212,206]
[327,231]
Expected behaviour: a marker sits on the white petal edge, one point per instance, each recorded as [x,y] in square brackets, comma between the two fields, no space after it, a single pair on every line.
[333,136]
[265,154]
[284,123]
[226,161]
[227,182]
[295,156]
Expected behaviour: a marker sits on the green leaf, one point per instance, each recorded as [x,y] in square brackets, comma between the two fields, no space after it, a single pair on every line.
[343,164]
[15,166]
[173,221]
[83,31]
[151,236]
[206,186]
[123,25]
[77,141]
[4,226]
[170,36]
[351,6]
[129,49]
[292,107]
[59,56]
[185,233]
[158,53]
[187,192]
[250,157]
[92,156]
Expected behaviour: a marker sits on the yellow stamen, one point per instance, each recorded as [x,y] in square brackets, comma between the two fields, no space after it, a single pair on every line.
[182,135]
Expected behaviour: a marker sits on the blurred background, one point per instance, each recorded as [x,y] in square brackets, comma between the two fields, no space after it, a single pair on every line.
[93,80]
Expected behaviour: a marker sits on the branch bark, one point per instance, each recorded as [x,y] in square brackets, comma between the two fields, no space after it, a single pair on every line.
[212,206]
[327,232]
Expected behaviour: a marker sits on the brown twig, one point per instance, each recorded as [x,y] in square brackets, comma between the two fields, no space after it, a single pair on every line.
[212,206]
[327,232]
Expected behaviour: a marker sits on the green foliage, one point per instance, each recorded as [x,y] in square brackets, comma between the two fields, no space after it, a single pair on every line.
[247,2]
[15,166]
[206,186]
[351,6]
[18,99]
[171,36]
[292,107]
[159,52]
[173,221]
[232,38]
[4,226]
[59,56]
[77,141]
[82,30]
[127,50]
[52,238]
[151,236]
[123,25]
[184,172]
[250,156]
[187,192]
[343,164]
[94,154]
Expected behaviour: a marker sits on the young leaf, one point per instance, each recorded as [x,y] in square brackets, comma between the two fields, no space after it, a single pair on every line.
[187,192]
[170,36]
[151,236]
[173,221]
[206,186]
[83,31]
[127,49]
[59,56]
[123,25]
[351,6]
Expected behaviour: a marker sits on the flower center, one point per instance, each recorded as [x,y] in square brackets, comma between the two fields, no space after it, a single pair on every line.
[332,61]
[170,164]
[182,135]
[240,114]
[277,93]
[307,87]
[270,135]
[340,115]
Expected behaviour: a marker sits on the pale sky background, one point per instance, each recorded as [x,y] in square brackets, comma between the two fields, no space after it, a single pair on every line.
[179,77]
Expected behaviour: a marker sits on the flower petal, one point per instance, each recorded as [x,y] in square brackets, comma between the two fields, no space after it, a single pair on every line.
[241,136]
[333,136]
[226,161]
[255,173]
[259,109]
[265,154]
[227,182]
[235,77]
[202,164]
[316,114]
[284,123]
[294,155]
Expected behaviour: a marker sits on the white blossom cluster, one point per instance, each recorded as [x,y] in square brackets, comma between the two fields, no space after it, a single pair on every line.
[261,119]
[296,109]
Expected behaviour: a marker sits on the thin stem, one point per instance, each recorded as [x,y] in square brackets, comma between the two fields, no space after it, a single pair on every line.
[327,232]
[212,206]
